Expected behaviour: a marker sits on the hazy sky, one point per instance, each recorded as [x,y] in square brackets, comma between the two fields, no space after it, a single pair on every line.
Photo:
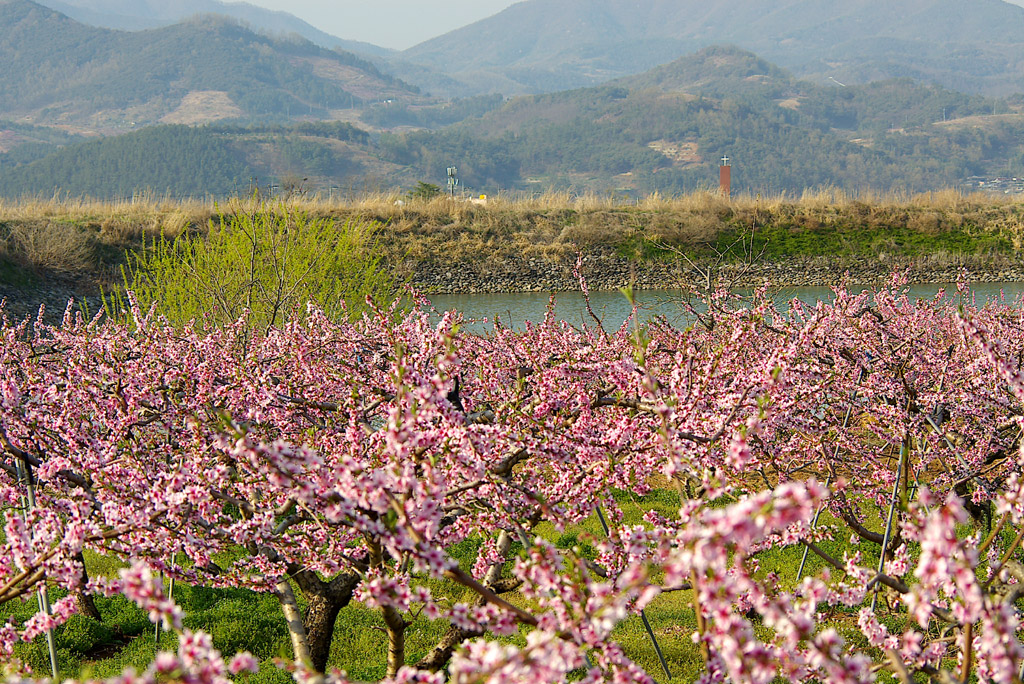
[389,23]
[393,23]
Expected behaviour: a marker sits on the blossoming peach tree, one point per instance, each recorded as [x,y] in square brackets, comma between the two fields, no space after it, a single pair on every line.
[345,461]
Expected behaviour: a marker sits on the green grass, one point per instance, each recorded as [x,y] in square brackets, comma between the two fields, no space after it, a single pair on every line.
[243,620]
[781,241]
[84,644]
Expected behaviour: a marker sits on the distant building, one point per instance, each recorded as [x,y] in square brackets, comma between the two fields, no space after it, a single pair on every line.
[997,185]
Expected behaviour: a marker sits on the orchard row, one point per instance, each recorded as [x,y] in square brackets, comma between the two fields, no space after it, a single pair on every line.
[344,461]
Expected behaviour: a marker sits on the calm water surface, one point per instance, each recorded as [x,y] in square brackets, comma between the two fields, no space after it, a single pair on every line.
[514,309]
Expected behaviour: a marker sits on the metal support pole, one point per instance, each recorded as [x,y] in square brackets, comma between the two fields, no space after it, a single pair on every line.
[643,615]
[888,523]
[654,640]
[28,502]
[814,524]
[828,480]
[170,596]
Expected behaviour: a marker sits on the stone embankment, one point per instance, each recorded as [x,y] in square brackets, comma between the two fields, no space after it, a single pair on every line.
[602,272]
[610,272]
[53,294]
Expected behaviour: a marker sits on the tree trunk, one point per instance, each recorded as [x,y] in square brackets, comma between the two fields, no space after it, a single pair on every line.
[396,627]
[326,599]
[445,648]
[83,600]
[442,652]
[296,629]
[85,605]
[319,620]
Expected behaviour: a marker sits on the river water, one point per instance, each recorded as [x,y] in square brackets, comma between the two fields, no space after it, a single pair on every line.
[514,309]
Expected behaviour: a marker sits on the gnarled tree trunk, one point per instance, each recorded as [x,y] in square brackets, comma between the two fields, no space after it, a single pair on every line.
[296,629]
[325,601]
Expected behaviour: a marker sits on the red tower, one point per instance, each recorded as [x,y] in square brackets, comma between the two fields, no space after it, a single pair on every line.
[725,177]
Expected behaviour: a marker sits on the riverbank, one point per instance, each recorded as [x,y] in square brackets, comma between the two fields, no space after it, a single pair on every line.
[603,272]
[611,272]
[52,250]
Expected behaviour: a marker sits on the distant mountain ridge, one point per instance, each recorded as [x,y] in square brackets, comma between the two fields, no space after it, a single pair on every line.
[59,71]
[544,45]
[134,15]
[662,130]
[665,129]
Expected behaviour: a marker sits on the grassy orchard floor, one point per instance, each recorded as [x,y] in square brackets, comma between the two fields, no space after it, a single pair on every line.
[241,620]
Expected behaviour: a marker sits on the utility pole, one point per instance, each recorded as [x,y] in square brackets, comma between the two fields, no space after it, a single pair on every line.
[453,181]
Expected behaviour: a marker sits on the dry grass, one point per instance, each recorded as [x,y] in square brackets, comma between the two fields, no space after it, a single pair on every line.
[84,237]
[69,235]
[49,247]
[142,208]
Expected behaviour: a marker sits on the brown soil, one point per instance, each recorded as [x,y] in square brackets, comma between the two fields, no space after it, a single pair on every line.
[203,106]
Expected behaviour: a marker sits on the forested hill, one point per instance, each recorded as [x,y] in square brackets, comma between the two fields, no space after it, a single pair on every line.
[176,161]
[58,71]
[547,45]
[665,130]
[729,73]
[182,161]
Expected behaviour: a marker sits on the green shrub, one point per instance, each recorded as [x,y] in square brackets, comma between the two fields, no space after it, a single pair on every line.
[424,191]
[137,653]
[270,674]
[200,599]
[270,262]
[263,635]
[37,656]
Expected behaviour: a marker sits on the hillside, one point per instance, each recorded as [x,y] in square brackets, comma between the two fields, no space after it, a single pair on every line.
[665,130]
[546,45]
[22,142]
[134,15]
[730,73]
[207,161]
[58,71]
[177,161]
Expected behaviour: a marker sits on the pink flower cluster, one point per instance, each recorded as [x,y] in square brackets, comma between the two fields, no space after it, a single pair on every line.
[351,458]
